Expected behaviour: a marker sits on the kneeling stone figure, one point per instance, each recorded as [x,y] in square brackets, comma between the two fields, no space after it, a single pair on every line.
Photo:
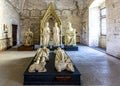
[62,61]
[38,66]
[42,55]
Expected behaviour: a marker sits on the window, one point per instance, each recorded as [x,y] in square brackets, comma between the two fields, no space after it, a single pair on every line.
[103,21]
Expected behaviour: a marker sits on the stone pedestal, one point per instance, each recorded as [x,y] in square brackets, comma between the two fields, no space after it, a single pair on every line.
[52,77]
[71,48]
[26,48]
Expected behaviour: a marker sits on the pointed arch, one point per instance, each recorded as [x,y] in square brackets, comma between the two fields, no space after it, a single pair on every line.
[50,13]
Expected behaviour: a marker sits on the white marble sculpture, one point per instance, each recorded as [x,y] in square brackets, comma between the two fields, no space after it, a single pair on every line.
[42,55]
[46,35]
[56,35]
[42,52]
[70,35]
[38,66]
[62,61]
[28,38]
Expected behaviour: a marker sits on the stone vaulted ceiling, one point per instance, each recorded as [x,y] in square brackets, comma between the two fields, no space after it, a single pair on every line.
[42,4]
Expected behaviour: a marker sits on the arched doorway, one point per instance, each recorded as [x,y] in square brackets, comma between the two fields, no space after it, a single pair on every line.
[96,26]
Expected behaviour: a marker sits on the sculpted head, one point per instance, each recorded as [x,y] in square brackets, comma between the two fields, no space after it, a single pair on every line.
[56,24]
[47,23]
[69,24]
[58,48]
[44,47]
[28,29]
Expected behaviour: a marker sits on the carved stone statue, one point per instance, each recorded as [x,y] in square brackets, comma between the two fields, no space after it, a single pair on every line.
[28,38]
[70,35]
[56,35]
[42,52]
[42,55]
[46,35]
[62,61]
[38,66]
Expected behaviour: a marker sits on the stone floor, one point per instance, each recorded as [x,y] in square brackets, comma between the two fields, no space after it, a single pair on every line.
[97,68]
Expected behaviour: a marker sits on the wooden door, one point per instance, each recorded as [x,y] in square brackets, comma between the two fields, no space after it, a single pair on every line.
[14,34]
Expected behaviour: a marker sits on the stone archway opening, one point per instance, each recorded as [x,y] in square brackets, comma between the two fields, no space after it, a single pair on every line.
[95,37]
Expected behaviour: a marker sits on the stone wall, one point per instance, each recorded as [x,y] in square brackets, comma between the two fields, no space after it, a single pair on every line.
[8,16]
[5,43]
[102,38]
[113,30]
[102,42]
[84,38]
[113,27]
[68,10]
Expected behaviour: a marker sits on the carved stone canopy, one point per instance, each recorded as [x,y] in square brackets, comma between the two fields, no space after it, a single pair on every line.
[50,13]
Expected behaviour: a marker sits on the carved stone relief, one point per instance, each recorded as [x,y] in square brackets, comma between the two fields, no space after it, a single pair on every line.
[35,13]
[26,13]
[58,12]
[43,12]
[66,13]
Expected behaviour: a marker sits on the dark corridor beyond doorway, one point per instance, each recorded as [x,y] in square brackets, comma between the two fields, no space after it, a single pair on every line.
[14,34]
